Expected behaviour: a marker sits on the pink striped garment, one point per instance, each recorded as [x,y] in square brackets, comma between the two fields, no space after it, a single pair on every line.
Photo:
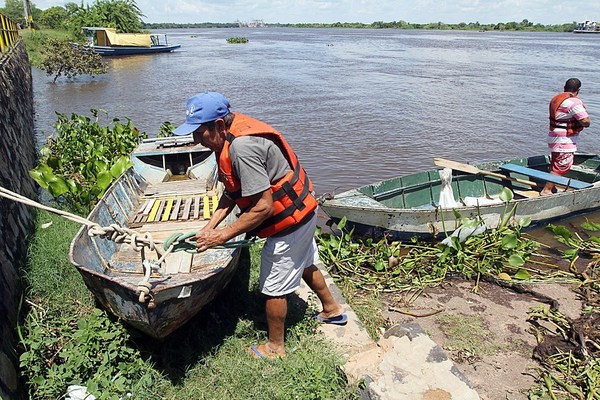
[558,141]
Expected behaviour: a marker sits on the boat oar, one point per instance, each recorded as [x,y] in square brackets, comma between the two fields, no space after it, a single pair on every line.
[471,169]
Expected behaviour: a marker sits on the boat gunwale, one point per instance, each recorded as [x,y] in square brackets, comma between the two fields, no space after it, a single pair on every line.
[338,200]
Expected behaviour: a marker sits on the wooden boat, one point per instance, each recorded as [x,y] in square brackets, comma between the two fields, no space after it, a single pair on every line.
[409,205]
[172,187]
[107,42]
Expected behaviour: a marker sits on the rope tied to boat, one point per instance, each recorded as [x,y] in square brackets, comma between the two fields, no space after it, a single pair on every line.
[180,242]
[119,234]
[122,235]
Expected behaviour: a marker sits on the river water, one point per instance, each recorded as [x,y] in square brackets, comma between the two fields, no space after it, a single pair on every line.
[357,105]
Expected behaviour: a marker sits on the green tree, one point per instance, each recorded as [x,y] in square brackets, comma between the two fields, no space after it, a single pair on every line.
[13,9]
[53,17]
[63,58]
[77,17]
[124,15]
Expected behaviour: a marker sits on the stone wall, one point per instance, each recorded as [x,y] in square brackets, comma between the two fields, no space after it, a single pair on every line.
[17,156]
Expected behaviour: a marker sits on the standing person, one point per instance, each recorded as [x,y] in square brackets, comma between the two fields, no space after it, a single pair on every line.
[262,175]
[568,117]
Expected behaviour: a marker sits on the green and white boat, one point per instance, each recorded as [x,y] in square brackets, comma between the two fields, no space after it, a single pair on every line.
[409,205]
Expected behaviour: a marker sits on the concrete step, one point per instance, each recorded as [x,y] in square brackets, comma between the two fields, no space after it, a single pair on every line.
[404,364]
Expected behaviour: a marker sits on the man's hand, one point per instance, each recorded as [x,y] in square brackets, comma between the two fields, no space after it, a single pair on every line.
[207,238]
[585,122]
[261,207]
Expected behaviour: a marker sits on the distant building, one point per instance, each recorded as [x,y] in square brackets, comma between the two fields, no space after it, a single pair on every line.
[257,23]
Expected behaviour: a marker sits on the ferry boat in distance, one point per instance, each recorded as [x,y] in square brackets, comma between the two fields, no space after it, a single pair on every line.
[587,27]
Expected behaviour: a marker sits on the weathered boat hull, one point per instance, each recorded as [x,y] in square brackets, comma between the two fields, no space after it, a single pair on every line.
[371,209]
[175,305]
[148,199]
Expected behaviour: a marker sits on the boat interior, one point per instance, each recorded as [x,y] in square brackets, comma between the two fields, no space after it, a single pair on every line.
[422,189]
[169,190]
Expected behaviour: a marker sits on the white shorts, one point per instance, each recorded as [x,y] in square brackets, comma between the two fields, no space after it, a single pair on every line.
[284,258]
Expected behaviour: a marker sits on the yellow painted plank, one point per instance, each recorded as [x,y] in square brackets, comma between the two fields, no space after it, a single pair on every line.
[153,211]
[215,200]
[206,207]
[167,213]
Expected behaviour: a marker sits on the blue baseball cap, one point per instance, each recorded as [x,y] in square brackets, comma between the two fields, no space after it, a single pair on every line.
[202,108]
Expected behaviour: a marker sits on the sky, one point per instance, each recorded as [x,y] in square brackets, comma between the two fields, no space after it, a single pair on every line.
[547,12]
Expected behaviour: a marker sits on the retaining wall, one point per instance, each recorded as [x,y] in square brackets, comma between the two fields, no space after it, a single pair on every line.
[17,156]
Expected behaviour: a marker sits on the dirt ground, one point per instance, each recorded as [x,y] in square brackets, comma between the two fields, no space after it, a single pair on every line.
[501,370]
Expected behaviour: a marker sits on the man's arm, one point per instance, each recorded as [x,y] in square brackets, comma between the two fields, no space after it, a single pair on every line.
[224,207]
[585,122]
[260,209]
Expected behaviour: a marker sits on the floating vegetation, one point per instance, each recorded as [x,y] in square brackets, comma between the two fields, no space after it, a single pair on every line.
[391,266]
[237,40]
[81,160]
[569,350]
[472,252]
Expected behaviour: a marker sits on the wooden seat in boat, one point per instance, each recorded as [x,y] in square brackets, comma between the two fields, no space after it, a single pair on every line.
[546,176]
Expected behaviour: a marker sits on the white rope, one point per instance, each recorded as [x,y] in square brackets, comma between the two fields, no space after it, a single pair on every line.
[114,232]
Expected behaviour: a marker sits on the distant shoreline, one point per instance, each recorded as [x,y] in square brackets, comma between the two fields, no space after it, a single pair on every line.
[523,26]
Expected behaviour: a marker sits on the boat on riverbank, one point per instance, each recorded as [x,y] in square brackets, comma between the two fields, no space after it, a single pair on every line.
[172,187]
[107,42]
[409,205]
[587,27]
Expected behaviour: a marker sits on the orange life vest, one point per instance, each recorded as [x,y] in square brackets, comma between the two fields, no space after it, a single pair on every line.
[292,195]
[572,126]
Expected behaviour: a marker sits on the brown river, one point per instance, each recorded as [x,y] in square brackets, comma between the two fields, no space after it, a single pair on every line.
[357,105]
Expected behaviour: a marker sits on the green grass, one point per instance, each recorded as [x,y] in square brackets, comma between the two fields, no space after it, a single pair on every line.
[366,304]
[50,275]
[467,334]
[206,358]
[34,41]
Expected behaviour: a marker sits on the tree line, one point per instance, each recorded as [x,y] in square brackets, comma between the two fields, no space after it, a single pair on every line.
[524,25]
[124,15]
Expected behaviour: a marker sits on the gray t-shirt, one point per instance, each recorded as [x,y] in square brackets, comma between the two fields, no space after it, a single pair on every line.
[257,162]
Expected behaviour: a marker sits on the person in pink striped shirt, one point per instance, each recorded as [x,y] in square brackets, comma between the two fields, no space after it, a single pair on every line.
[568,117]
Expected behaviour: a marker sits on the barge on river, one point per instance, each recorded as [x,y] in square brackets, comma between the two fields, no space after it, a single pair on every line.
[107,42]
[587,27]
[172,187]
[409,205]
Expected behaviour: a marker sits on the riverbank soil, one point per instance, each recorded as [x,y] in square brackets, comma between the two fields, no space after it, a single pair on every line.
[486,334]
[484,329]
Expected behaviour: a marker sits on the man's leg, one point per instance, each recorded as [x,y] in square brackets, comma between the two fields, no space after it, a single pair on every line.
[276,310]
[560,164]
[315,280]
[547,189]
